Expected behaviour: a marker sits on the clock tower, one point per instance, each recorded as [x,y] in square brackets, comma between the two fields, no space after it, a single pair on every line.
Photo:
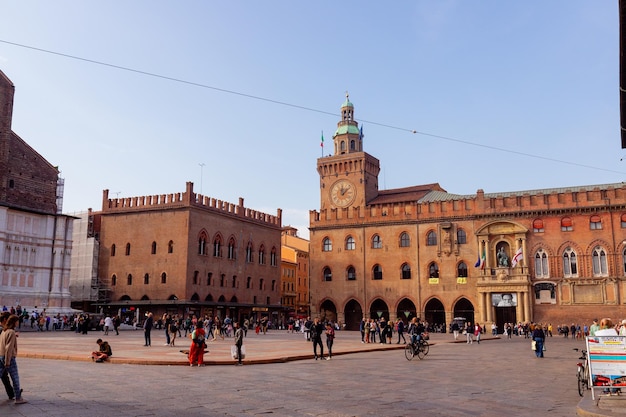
[349,177]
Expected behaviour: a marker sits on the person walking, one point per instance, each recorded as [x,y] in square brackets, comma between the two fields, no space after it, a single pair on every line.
[539,337]
[147,328]
[477,331]
[400,327]
[196,350]
[8,352]
[6,381]
[108,324]
[238,342]
[469,331]
[330,337]
[317,328]
[455,330]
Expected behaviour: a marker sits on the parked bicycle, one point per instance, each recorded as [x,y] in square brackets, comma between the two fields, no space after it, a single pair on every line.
[419,348]
[582,373]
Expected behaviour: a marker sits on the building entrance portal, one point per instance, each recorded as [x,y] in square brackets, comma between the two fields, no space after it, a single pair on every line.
[464,308]
[435,314]
[353,314]
[406,310]
[505,315]
[379,309]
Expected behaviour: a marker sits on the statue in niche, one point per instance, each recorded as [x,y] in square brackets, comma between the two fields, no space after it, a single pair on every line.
[503,259]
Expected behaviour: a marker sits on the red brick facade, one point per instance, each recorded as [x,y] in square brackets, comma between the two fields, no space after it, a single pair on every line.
[186,253]
[413,251]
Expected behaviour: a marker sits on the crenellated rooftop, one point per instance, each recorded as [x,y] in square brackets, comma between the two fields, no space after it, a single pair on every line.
[187,199]
[431,202]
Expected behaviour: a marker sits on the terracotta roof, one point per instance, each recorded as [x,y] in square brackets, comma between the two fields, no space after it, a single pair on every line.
[402,195]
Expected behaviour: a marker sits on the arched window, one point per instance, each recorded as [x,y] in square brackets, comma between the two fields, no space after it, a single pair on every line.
[461,270]
[249,256]
[202,239]
[598,257]
[352,145]
[377,272]
[327,245]
[262,255]
[217,246]
[222,280]
[195,277]
[352,273]
[328,275]
[570,269]
[595,222]
[154,246]
[261,284]
[114,280]
[461,237]
[129,279]
[163,278]
[170,247]
[113,249]
[406,271]
[209,278]
[377,242]
[146,279]
[431,238]
[541,264]
[128,249]
[433,270]
[249,282]
[405,240]
[566,224]
[231,249]
[273,257]
[350,244]
[234,281]
[342,146]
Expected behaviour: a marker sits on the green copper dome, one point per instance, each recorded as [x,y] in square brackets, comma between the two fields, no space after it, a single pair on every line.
[342,130]
[347,103]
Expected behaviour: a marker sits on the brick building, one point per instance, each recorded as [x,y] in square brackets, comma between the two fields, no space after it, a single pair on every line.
[35,238]
[295,275]
[551,255]
[186,253]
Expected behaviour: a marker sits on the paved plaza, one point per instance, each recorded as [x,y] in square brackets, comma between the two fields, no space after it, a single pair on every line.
[497,377]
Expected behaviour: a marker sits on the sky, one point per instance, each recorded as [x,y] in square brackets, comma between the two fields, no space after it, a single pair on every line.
[141,97]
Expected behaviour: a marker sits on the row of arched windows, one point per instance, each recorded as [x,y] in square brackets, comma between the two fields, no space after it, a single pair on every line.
[570,265]
[404,272]
[129,279]
[231,249]
[404,241]
[567,225]
[153,248]
[233,282]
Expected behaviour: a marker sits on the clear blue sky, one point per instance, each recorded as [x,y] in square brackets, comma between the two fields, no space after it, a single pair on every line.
[535,77]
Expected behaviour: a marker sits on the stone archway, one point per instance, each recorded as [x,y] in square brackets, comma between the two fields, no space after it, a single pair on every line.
[406,310]
[353,314]
[328,311]
[464,308]
[379,309]
[434,313]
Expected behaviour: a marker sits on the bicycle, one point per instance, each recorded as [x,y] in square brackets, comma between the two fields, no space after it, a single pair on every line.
[582,373]
[420,349]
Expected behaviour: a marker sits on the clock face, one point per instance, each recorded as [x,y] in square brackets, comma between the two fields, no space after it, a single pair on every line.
[342,193]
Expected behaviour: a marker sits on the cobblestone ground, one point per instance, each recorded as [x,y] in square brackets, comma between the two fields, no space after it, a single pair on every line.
[493,378]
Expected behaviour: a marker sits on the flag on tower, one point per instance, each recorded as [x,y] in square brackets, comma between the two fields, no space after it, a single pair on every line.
[517,258]
[322,144]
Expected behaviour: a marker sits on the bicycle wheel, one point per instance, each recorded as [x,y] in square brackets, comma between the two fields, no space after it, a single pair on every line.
[420,350]
[408,351]
[582,382]
[426,347]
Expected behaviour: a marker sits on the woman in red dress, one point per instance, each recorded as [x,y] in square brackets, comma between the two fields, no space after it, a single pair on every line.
[196,350]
